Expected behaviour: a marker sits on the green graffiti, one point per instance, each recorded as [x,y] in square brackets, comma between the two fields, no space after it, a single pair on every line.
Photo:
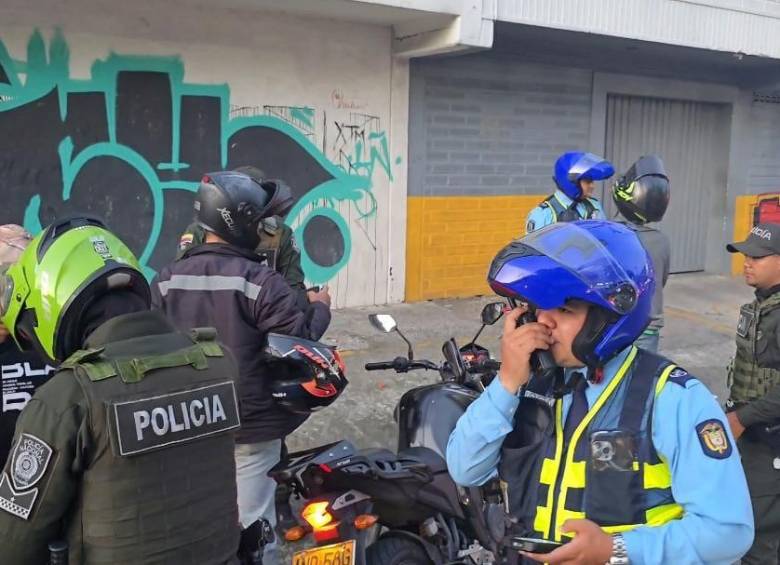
[46,71]
[378,154]
[303,115]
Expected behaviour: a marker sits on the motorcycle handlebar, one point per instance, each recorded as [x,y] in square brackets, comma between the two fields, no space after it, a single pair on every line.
[380,366]
[401,365]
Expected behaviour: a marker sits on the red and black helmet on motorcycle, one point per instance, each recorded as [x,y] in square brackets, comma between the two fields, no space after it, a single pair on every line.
[306,375]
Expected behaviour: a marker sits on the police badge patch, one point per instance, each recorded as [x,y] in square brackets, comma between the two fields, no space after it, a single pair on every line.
[101,247]
[713,439]
[29,461]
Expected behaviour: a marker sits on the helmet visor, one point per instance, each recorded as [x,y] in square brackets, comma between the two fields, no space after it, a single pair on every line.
[591,167]
[575,265]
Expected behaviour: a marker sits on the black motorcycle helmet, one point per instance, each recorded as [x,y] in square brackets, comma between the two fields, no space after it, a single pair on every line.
[307,375]
[642,193]
[282,199]
[231,205]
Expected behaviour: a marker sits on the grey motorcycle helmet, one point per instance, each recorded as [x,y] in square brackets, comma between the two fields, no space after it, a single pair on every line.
[642,193]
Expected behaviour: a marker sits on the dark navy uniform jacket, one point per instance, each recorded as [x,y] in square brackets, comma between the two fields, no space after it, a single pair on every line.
[230,289]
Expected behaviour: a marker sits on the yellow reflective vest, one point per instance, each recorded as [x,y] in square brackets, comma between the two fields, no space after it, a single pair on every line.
[608,472]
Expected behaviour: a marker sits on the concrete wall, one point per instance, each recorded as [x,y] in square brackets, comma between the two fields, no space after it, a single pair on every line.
[739,26]
[120,112]
[485,130]
[489,125]
[765,137]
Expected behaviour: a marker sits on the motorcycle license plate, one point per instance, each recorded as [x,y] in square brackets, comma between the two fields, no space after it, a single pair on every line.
[337,554]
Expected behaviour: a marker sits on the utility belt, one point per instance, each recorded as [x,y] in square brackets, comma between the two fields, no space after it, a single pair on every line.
[767,433]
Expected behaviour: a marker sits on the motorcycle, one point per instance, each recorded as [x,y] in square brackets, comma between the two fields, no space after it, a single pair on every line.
[374,506]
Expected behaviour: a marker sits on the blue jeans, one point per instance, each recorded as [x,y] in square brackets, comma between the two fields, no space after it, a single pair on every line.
[648,341]
[256,490]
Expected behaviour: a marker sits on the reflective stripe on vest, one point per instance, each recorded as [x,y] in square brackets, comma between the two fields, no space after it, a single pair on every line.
[564,476]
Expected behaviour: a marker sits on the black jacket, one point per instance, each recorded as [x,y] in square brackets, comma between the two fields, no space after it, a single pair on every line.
[225,287]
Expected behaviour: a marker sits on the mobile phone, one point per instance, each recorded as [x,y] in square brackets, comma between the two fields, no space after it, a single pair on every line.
[313,289]
[535,545]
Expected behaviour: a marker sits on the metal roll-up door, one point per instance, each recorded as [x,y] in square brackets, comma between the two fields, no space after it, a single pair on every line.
[692,139]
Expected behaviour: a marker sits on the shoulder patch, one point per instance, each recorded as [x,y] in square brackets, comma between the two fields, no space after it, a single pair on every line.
[681,377]
[29,461]
[185,241]
[270,225]
[17,503]
[713,439]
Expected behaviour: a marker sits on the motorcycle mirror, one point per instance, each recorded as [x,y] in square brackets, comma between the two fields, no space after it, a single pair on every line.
[492,313]
[383,322]
[451,354]
[386,323]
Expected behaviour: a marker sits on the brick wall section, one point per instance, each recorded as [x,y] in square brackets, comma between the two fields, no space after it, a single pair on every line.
[764,173]
[485,124]
[484,132]
[451,241]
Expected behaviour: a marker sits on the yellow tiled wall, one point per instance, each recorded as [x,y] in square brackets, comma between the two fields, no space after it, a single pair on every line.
[452,239]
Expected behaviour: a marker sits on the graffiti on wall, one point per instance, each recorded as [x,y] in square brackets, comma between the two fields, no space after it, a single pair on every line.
[131,142]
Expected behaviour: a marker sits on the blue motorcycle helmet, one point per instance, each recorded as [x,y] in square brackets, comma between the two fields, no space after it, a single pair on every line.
[572,167]
[598,262]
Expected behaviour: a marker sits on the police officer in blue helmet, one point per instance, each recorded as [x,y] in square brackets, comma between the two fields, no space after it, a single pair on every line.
[575,176]
[615,453]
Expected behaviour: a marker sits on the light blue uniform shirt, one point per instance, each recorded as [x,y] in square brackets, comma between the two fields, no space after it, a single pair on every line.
[543,215]
[717,526]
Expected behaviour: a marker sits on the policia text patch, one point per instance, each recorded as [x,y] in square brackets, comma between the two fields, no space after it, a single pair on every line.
[160,421]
